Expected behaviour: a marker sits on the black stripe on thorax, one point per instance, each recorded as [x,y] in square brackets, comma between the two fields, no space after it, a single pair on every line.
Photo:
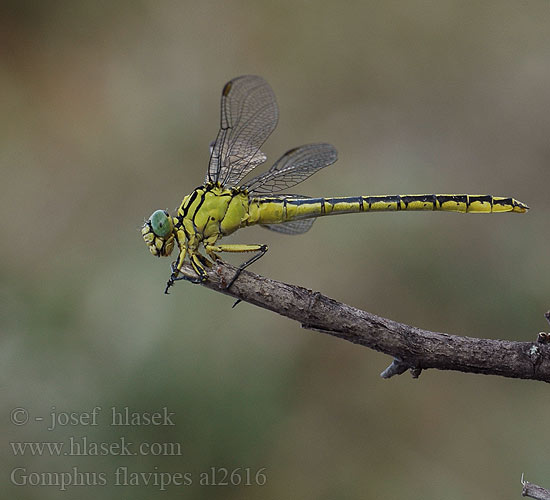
[203,197]
[202,190]
[190,201]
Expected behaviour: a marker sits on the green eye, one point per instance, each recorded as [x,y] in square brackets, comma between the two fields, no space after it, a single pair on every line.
[161,223]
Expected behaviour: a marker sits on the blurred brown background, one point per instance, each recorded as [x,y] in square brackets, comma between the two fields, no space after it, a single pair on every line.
[107,112]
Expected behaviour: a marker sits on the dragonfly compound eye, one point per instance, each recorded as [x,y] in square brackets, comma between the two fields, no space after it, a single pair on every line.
[158,234]
[161,223]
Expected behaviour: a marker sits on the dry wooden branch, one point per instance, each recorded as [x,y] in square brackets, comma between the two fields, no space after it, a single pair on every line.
[414,349]
[534,491]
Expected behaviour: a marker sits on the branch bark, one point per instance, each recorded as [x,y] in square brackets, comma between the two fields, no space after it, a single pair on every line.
[534,491]
[413,348]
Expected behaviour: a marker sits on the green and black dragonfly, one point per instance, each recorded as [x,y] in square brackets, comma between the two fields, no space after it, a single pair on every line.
[224,203]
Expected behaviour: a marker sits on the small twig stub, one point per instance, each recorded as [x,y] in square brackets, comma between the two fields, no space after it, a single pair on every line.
[534,490]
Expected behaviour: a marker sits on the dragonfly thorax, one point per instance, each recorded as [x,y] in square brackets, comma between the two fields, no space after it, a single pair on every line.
[212,211]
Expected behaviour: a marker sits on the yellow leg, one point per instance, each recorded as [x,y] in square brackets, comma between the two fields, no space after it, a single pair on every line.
[211,249]
[197,264]
[176,268]
[181,258]
[236,248]
[195,259]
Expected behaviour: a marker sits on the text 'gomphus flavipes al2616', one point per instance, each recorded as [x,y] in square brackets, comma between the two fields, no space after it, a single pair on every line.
[224,204]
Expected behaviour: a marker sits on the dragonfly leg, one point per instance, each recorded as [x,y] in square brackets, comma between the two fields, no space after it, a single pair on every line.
[197,267]
[261,249]
[203,260]
[176,269]
[197,263]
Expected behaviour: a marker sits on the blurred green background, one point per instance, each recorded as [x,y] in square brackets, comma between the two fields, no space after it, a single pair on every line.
[107,112]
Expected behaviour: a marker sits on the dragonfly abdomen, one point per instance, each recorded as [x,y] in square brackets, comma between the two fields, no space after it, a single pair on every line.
[275,210]
[463,203]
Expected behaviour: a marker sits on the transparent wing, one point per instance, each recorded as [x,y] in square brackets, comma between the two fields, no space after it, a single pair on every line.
[249,114]
[292,168]
[292,227]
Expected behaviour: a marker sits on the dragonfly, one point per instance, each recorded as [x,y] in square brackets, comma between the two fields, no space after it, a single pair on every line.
[224,203]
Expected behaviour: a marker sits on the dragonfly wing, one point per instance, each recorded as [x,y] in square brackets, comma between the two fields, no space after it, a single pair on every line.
[292,168]
[292,227]
[249,114]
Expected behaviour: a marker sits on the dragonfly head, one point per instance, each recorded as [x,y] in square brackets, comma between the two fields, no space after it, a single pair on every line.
[158,233]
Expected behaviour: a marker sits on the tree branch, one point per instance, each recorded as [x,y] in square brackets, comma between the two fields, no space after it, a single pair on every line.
[534,491]
[413,348]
